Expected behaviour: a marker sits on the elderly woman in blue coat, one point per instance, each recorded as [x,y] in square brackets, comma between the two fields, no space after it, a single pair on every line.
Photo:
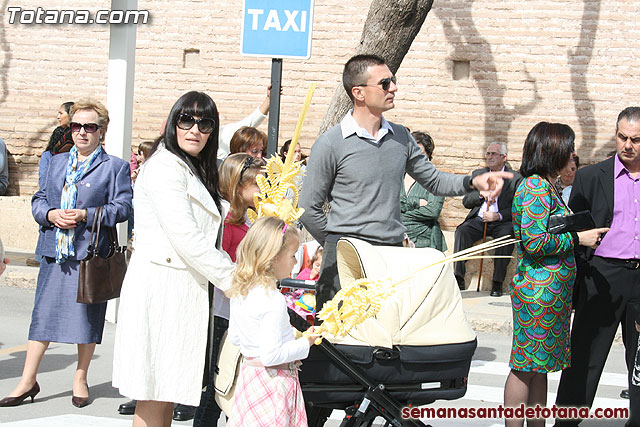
[77,183]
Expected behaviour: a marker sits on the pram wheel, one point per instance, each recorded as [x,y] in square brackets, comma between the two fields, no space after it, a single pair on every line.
[317,416]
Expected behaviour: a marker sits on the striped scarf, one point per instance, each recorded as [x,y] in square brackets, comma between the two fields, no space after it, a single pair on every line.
[64,238]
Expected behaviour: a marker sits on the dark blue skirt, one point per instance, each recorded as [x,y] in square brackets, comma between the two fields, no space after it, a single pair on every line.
[57,317]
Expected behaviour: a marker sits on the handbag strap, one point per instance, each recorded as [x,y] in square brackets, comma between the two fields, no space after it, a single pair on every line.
[559,196]
[113,245]
[94,239]
[95,234]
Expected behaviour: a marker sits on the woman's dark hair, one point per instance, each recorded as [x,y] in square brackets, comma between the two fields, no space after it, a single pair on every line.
[547,149]
[58,136]
[426,141]
[204,166]
[145,147]
[285,149]
[67,106]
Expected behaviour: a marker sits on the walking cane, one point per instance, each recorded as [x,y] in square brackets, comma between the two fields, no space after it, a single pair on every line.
[484,239]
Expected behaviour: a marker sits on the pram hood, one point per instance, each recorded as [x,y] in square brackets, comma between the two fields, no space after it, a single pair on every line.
[424,310]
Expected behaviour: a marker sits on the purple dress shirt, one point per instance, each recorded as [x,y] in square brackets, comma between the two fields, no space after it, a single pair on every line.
[623,239]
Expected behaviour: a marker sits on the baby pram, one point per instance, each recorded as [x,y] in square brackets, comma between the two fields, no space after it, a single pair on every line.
[418,348]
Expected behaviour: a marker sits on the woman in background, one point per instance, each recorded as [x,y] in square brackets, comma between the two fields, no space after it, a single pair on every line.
[564,182]
[421,209]
[59,142]
[249,140]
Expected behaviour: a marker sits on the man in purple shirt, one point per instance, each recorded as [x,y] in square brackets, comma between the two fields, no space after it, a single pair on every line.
[608,278]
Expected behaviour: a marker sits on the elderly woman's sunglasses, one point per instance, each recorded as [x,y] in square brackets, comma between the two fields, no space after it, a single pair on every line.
[88,127]
[186,122]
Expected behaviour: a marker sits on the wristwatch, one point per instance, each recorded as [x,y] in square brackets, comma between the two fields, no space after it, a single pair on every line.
[467,182]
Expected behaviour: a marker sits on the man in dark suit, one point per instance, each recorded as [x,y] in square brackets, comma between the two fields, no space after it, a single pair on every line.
[496,214]
[608,278]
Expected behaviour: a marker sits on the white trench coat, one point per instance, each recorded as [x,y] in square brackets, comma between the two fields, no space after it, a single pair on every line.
[163,317]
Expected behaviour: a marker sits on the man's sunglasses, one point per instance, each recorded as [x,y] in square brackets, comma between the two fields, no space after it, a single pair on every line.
[385,83]
[88,127]
[186,122]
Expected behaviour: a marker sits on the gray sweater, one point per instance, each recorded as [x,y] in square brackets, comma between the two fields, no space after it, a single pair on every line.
[362,181]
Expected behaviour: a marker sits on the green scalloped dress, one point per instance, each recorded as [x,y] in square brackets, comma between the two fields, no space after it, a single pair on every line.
[542,286]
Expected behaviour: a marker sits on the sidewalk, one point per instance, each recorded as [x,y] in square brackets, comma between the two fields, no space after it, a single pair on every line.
[53,407]
[485,313]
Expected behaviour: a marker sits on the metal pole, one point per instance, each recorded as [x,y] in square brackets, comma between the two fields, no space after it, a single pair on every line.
[120,87]
[274,106]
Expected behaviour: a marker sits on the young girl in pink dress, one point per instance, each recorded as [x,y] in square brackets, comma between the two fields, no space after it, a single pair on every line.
[238,185]
[268,392]
[237,182]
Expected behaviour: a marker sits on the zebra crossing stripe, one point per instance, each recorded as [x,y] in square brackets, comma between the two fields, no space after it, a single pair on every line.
[502,369]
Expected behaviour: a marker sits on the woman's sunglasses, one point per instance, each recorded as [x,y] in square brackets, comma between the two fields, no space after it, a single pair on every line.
[186,122]
[88,127]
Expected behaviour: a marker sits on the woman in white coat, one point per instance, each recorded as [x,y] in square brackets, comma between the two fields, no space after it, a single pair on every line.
[161,338]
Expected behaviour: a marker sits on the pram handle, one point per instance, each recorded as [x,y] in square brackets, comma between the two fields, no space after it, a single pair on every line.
[308,285]
[379,401]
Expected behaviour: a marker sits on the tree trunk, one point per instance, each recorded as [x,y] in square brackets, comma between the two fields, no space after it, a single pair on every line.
[389,31]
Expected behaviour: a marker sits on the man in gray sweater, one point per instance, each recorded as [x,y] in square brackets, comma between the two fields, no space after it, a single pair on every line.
[358,165]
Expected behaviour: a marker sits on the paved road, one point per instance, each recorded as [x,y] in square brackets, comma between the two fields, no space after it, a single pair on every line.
[53,408]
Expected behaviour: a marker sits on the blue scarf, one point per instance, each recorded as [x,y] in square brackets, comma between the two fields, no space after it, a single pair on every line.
[64,238]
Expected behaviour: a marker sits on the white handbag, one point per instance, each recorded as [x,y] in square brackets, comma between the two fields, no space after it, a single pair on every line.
[226,374]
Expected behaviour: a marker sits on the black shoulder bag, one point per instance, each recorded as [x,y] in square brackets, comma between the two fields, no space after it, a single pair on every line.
[571,222]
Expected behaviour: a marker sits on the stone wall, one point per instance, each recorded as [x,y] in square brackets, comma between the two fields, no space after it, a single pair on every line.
[18,230]
[478,71]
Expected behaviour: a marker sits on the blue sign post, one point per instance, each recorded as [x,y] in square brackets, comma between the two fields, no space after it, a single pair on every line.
[276,29]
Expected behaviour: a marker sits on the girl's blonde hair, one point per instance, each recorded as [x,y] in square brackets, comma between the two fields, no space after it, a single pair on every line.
[237,171]
[264,242]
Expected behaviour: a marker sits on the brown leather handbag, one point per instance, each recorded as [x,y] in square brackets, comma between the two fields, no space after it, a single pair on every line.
[100,279]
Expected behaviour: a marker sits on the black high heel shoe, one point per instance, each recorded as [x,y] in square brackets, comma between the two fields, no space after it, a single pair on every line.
[15,401]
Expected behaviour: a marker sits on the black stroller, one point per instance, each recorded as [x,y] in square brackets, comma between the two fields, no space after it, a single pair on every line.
[417,350]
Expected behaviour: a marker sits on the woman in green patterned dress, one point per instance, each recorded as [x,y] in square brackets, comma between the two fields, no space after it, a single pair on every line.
[542,285]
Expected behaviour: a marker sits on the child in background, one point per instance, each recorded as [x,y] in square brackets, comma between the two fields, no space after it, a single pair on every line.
[143,152]
[313,270]
[238,185]
[237,182]
[268,392]
[301,301]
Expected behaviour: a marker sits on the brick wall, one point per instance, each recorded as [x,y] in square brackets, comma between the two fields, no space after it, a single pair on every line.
[555,60]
